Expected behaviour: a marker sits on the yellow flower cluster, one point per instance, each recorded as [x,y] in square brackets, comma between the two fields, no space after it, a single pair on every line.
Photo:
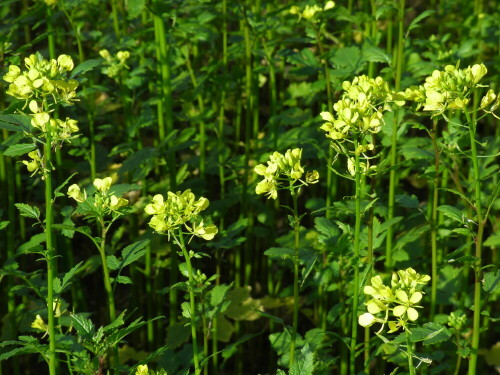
[114,64]
[448,89]
[287,165]
[104,202]
[401,298]
[179,209]
[310,11]
[42,78]
[360,110]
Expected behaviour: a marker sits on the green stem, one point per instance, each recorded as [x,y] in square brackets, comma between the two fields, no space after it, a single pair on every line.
[296,261]
[478,242]
[434,221]
[50,257]
[393,152]
[116,24]
[192,304]
[357,232]
[107,284]
[409,353]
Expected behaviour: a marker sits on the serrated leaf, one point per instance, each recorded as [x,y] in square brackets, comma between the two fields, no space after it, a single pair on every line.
[4,224]
[491,282]
[15,122]
[33,243]
[123,279]
[85,66]
[133,252]
[326,227]
[304,364]
[430,333]
[58,189]
[28,211]
[407,201]
[186,310]
[83,325]
[68,276]
[218,294]
[19,149]
[452,212]
[279,252]
[112,262]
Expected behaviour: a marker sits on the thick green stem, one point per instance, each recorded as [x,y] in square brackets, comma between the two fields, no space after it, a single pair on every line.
[296,261]
[409,353]
[192,304]
[357,232]
[479,243]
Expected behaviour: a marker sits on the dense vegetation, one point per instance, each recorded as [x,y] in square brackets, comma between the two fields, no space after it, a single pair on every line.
[249,187]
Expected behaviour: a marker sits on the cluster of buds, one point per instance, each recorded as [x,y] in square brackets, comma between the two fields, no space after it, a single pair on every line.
[309,12]
[360,109]
[114,64]
[448,89]
[398,301]
[102,203]
[42,78]
[283,171]
[177,210]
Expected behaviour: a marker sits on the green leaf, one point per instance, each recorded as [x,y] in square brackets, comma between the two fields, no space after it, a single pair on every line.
[491,282]
[67,279]
[19,149]
[304,364]
[415,23]
[326,227]
[4,224]
[83,325]
[493,240]
[279,252]
[452,212]
[430,333]
[85,66]
[123,279]
[33,244]
[186,310]
[112,262]
[373,53]
[16,123]
[134,8]
[58,189]
[219,294]
[28,211]
[407,201]
[133,252]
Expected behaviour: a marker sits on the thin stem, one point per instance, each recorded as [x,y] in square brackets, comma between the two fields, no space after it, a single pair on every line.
[51,259]
[434,221]
[479,242]
[296,228]
[107,285]
[409,353]
[393,152]
[192,304]
[357,231]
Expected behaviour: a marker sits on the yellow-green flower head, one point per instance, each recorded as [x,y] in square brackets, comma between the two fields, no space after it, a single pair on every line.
[177,210]
[490,101]
[103,185]
[406,303]
[142,370]
[40,120]
[123,56]
[41,78]
[451,88]
[282,167]
[35,164]
[39,324]
[310,11]
[75,193]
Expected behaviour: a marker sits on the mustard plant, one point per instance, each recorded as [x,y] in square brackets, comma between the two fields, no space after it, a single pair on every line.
[395,306]
[452,89]
[285,172]
[43,86]
[358,115]
[178,215]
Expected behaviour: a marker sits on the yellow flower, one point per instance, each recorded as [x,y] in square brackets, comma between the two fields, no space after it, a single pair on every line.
[142,370]
[38,323]
[103,185]
[75,193]
[116,203]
